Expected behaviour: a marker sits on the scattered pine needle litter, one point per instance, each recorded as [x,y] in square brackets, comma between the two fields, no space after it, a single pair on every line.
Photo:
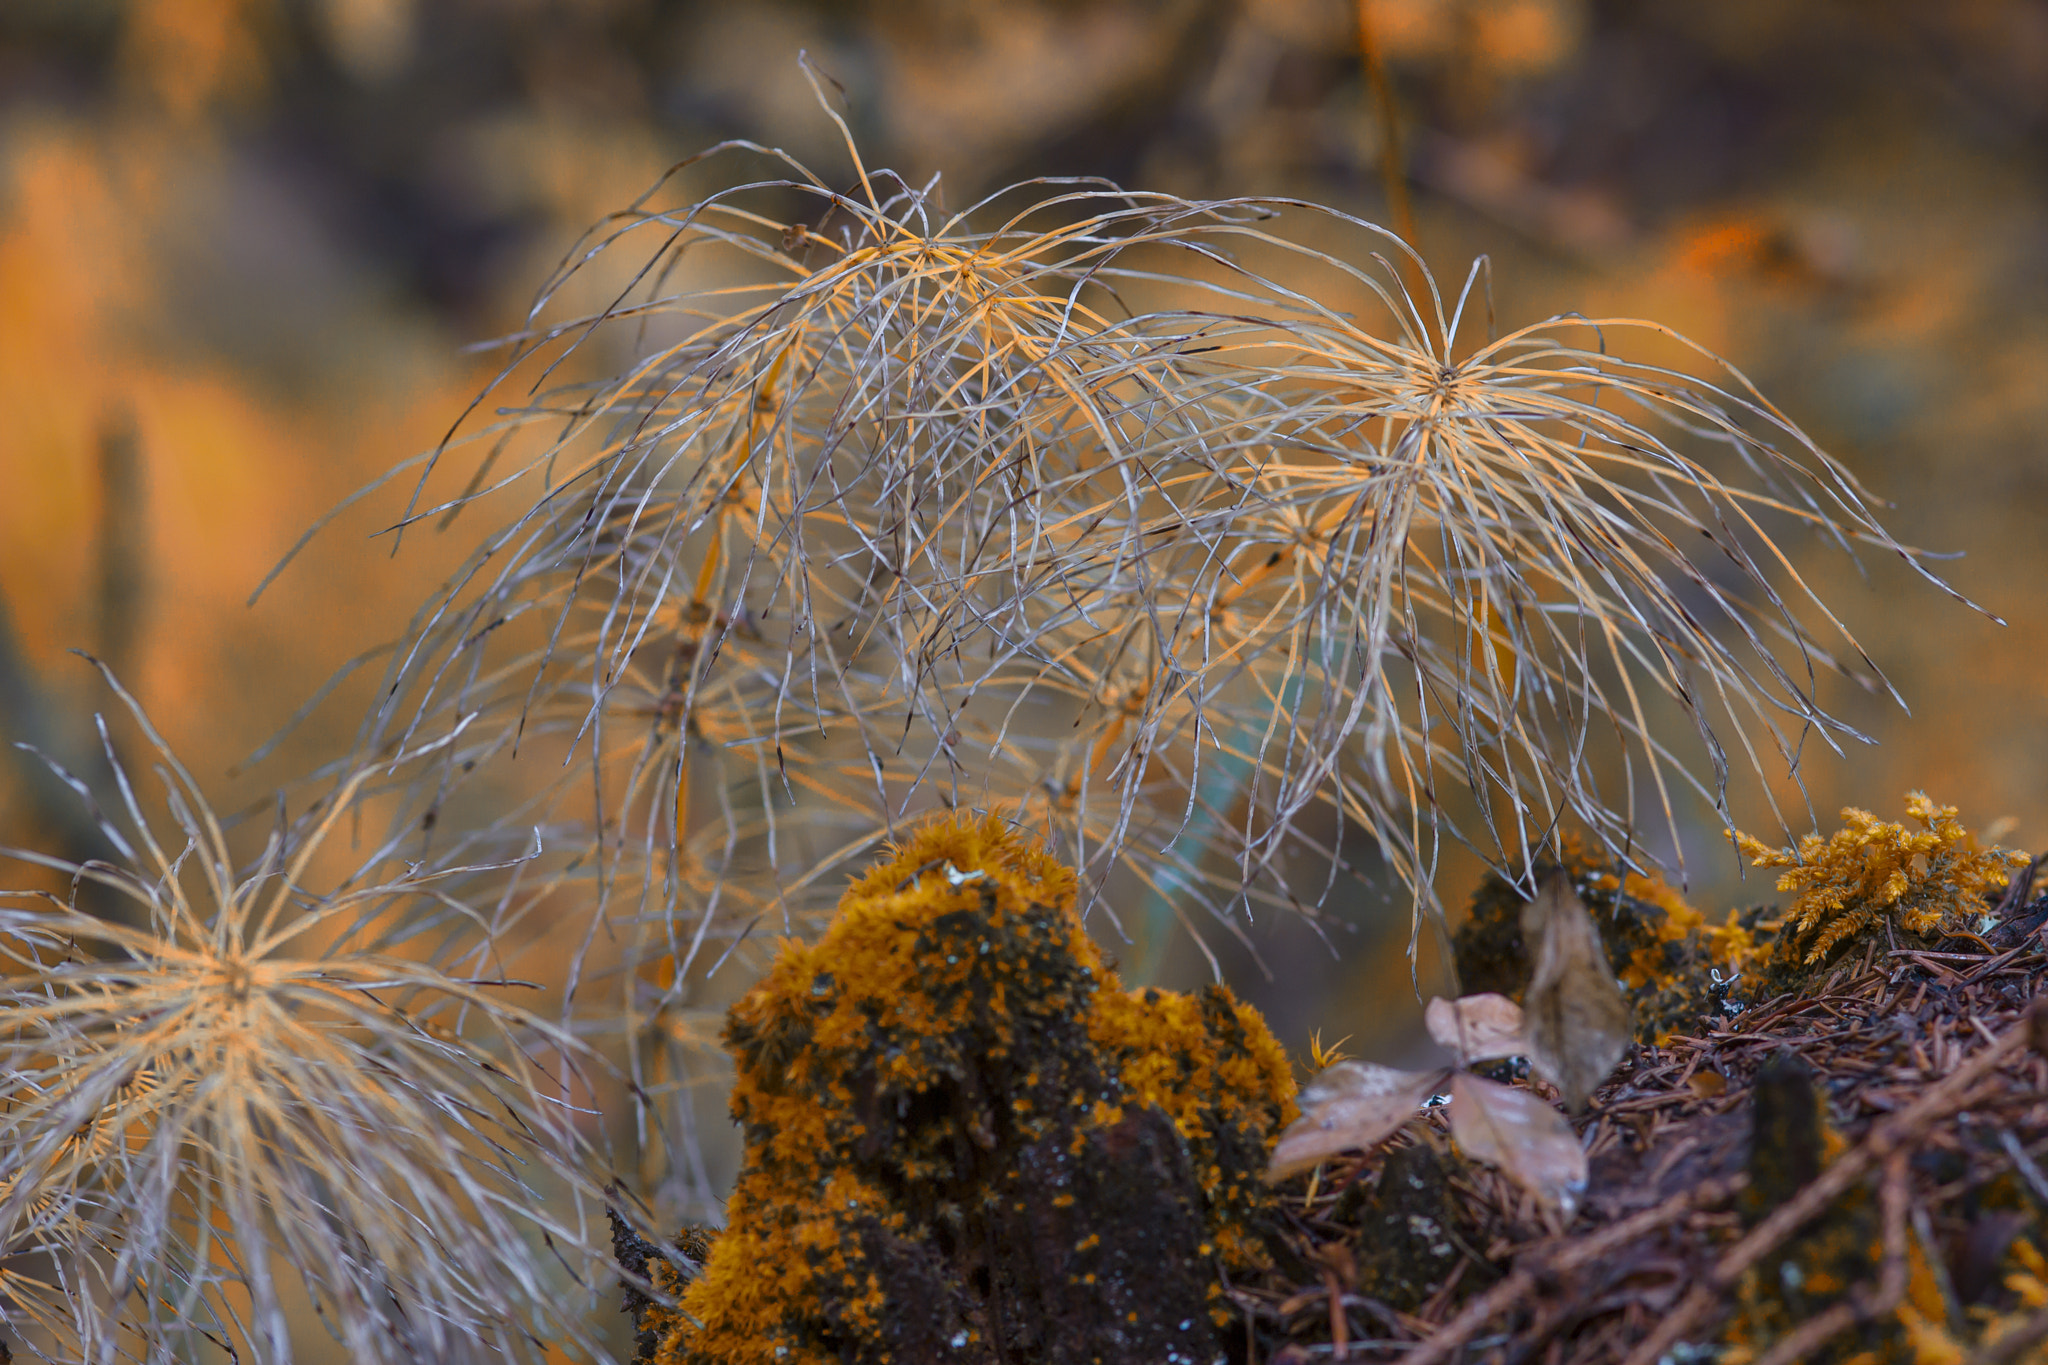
[1849,1173]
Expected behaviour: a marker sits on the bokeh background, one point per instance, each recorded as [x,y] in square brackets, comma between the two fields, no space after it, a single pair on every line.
[246,246]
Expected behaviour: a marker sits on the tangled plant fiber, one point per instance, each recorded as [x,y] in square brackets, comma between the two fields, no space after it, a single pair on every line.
[1124,517]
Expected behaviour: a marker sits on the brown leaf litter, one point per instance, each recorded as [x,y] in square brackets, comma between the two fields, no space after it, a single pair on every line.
[1358,1105]
[1849,1172]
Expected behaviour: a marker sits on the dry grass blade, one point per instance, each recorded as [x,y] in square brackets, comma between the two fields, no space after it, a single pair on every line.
[267,1084]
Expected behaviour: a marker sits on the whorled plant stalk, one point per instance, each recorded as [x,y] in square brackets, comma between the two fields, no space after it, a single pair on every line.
[1131,519]
[265,1091]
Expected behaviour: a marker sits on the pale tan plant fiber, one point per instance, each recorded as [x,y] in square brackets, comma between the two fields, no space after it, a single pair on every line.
[1352,1106]
[1569,1034]
[1355,1106]
[267,1088]
[1129,518]
[1477,1028]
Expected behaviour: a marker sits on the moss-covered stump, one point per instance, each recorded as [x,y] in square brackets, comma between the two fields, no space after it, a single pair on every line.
[965,1142]
[1411,1224]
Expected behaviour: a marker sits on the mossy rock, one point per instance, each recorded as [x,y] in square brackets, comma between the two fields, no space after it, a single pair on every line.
[1676,965]
[1409,1224]
[965,1141]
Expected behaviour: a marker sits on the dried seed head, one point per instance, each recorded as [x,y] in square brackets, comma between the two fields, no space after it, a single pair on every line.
[1059,509]
[259,1084]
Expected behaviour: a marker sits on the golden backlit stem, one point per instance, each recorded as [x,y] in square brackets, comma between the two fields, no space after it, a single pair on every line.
[1393,173]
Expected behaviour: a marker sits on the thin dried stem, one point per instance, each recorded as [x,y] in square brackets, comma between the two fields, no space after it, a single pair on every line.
[1106,511]
[256,1083]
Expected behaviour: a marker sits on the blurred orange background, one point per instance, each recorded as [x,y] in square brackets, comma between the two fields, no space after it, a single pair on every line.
[244,245]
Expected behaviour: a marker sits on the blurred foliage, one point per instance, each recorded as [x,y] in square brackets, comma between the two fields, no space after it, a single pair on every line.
[243,244]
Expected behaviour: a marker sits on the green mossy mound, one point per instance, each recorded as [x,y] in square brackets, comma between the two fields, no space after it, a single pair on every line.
[1412,1230]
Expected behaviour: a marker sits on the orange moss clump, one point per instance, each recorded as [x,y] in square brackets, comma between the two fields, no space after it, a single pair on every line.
[964,1141]
[1931,878]
[1209,1063]
[2026,1281]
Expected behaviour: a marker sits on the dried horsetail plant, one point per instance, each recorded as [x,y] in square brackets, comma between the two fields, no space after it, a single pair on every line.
[846,539]
[1105,512]
[264,1094]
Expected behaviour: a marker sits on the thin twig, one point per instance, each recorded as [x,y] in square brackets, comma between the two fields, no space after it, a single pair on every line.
[1393,171]
[1887,1138]
[2024,1163]
[1823,1327]
[123,549]
[1510,1292]
[1475,1315]
[1393,167]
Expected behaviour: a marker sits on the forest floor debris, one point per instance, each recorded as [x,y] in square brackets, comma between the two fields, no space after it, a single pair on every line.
[1846,1169]
[1852,1172]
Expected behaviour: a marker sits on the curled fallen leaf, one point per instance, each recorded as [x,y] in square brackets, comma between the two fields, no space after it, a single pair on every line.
[1351,1106]
[1531,1143]
[1477,1028]
[1575,1013]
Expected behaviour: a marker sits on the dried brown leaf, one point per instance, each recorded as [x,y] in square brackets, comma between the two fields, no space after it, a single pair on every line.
[1576,1016]
[1349,1107]
[1477,1028]
[1531,1143]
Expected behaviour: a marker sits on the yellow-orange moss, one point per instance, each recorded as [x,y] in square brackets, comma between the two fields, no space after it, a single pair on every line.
[1844,1254]
[1217,1071]
[1932,878]
[954,1024]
